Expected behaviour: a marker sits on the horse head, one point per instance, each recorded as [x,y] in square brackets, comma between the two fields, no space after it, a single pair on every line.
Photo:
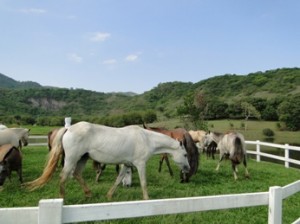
[127,180]
[180,158]
[25,137]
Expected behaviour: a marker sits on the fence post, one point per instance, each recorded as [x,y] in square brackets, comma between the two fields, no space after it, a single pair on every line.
[257,151]
[50,211]
[68,121]
[275,205]
[286,156]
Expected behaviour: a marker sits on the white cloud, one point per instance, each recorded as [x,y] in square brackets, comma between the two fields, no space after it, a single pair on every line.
[110,62]
[75,58]
[99,37]
[131,57]
[33,11]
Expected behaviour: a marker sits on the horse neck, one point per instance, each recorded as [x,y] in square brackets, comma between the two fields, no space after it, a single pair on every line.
[19,131]
[164,144]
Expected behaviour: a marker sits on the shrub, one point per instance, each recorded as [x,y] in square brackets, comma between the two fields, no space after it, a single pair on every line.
[268,132]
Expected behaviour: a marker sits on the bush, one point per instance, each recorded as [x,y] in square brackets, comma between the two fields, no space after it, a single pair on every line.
[268,132]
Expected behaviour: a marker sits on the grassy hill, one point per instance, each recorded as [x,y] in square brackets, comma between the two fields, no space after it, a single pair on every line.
[32,99]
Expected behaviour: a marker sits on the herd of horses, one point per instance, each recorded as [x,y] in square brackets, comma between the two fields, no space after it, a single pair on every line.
[126,147]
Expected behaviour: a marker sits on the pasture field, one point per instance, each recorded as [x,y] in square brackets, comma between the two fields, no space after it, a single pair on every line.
[161,185]
[253,132]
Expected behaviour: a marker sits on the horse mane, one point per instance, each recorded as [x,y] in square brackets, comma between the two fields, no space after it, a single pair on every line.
[192,152]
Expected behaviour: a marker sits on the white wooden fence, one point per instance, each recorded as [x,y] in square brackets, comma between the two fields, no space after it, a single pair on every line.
[287,148]
[53,211]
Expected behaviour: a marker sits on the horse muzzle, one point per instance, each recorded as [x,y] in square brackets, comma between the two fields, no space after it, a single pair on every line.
[185,169]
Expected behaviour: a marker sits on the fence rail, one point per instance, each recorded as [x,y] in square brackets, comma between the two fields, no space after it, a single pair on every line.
[53,211]
[286,147]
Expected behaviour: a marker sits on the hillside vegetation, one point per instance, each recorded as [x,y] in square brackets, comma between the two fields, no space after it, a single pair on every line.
[30,102]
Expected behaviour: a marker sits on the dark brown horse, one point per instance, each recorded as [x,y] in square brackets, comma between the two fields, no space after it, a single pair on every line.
[183,135]
[10,160]
[211,149]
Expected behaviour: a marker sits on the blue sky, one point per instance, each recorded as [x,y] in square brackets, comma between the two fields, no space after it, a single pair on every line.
[133,45]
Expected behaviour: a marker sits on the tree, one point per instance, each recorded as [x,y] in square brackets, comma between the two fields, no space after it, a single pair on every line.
[289,113]
[194,109]
[249,111]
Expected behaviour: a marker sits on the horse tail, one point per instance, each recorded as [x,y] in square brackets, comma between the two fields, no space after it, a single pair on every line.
[238,150]
[51,164]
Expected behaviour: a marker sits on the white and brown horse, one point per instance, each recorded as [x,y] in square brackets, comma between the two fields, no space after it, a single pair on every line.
[131,146]
[231,144]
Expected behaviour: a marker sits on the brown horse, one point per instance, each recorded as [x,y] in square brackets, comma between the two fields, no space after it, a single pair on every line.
[180,134]
[10,160]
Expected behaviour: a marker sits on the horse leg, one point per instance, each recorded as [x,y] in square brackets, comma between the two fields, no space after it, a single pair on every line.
[117,182]
[161,162]
[245,165]
[78,175]
[234,170]
[65,173]
[169,166]
[213,153]
[221,158]
[19,172]
[117,168]
[142,175]
[98,168]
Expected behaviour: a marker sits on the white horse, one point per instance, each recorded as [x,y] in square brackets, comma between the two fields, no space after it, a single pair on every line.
[131,146]
[231,144]
[14,136]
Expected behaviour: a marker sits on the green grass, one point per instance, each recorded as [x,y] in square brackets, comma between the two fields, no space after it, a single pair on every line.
[161,185]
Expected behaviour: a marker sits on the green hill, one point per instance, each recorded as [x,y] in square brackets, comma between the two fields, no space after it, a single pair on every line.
[261,89]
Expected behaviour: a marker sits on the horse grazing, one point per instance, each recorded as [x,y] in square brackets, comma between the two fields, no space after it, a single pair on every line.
[14,136]
[131,146]
[180,134]
[10,160]
[232,145]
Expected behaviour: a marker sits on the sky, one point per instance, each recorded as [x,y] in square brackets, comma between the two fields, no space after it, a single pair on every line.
[133,45]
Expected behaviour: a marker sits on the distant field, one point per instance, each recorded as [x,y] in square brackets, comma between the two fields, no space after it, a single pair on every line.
[253,132]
